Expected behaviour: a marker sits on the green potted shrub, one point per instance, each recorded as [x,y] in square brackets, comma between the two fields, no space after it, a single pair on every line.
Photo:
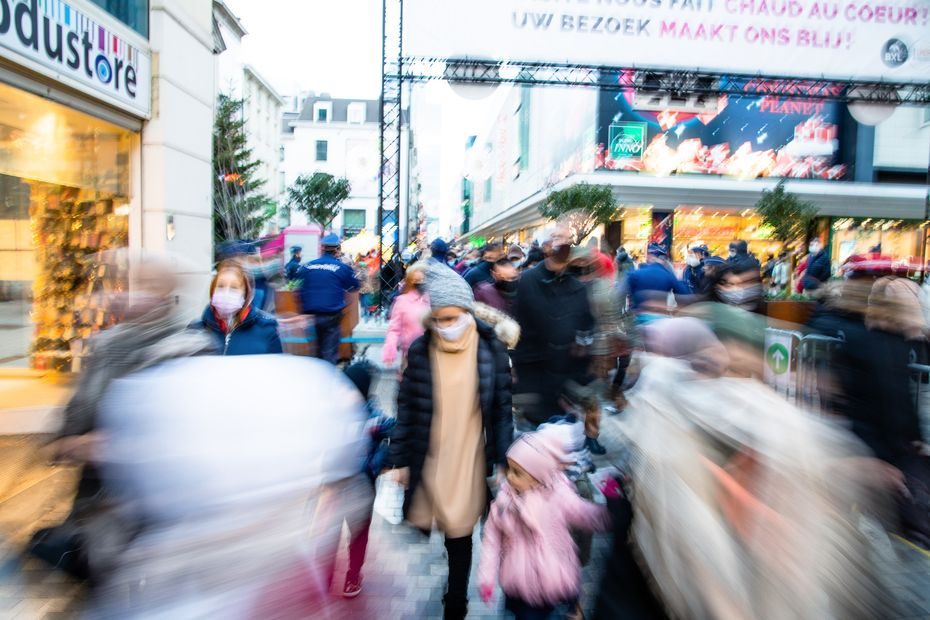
[790,219]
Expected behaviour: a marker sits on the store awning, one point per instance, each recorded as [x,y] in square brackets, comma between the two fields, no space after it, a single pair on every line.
[832,198]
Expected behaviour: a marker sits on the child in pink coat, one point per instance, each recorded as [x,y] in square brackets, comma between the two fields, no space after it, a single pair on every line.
[527,543]
[406,322]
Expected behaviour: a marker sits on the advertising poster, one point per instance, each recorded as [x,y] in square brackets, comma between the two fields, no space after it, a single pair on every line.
[742,136]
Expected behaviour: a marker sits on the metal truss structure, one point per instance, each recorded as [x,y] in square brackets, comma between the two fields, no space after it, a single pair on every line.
[670,82]
[398,70]
[391,128]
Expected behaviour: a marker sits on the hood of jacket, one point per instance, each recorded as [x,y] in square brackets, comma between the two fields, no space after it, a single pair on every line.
[505,328]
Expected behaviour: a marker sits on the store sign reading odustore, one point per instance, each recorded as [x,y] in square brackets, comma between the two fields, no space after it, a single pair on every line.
[627,140]
[71,46]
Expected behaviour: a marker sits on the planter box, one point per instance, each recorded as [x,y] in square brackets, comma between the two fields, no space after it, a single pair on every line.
[287,303]
[797,312]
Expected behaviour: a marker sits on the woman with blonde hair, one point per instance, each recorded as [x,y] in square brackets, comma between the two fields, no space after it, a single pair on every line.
[237,326]
[407,313]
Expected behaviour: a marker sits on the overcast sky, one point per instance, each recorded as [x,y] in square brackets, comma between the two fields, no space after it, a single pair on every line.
[334,46]
[322,45]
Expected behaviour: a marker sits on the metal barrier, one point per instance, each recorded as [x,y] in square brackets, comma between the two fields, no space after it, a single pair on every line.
[796,365]
[918,373]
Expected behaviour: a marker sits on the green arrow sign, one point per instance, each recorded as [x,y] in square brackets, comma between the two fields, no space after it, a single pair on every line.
[778,357]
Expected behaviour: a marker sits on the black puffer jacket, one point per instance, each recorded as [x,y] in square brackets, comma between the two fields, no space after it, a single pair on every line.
[411,437]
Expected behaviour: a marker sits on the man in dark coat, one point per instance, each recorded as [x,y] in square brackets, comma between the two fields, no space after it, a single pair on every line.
[739,255]
[818,267]
[693,274]
[325,282]
[557,326]
[293,265]
[482,271]
[649,286]
[501,294]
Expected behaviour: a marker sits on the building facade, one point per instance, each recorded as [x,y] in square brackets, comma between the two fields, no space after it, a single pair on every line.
[262,104]
[106,145]
[685,176]
[263,124]
[338,137]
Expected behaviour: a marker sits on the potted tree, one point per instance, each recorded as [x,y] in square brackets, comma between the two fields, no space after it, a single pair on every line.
[790,219]
[319,196]
[581,207]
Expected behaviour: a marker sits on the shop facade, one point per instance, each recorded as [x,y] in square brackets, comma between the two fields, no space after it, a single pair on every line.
[691,172]
[94,174]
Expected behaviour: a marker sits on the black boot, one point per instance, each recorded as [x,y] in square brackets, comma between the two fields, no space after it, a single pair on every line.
[455,602]
[454,610]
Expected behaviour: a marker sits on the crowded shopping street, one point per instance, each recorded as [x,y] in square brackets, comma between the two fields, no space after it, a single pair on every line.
[400,309]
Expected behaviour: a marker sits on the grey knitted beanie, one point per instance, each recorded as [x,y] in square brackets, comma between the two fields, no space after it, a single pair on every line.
[447,288]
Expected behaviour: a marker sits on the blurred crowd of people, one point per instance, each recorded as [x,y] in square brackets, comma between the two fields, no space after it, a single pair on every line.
[205,492]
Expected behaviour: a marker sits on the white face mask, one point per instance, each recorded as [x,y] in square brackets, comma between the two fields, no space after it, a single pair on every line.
[740,296]
[693,260]
[456,330]
[814,248]
[227,302]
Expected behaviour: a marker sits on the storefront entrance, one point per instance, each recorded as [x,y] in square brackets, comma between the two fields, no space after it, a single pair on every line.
[64,201]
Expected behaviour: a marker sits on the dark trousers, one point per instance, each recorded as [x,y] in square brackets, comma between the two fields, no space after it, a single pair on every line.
[623,363]
[328,333]
[358,545]
[522,610]
[456,599]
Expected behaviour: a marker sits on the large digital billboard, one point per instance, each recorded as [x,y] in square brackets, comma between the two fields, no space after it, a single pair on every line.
[839,40]
[741,136]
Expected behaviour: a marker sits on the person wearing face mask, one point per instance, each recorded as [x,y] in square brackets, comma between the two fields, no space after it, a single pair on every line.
[516,255]
[482,271]
[739,255]
[554,313]
[740,287]
[237,327]
[818,267]
[406,320]
[693,274]
[454,424]
[502,293]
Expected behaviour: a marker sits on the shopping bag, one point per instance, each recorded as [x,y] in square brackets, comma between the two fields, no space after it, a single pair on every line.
[389,499]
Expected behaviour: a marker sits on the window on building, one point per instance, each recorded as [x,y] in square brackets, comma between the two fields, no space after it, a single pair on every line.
[353,221]
[488,189]
[133,13]
[926,115]
[322,150]
[323,111]
[524,129]
[356,113]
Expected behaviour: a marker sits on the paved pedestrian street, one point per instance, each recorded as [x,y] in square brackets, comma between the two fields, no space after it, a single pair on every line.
[404,574]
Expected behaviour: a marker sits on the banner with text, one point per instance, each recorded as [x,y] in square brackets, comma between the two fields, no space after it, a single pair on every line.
[825,39]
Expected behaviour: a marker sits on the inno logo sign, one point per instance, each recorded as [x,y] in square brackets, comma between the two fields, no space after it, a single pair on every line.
[66,40]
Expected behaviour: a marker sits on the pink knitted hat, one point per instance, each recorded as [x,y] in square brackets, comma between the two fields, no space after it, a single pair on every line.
[534,453]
